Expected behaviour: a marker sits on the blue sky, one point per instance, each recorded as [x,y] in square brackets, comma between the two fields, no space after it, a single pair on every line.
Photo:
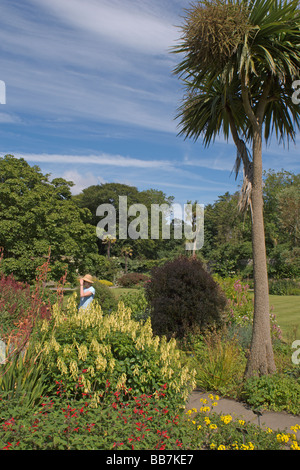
[90,96]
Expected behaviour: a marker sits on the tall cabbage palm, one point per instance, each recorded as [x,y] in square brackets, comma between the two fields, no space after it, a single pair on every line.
[240,59]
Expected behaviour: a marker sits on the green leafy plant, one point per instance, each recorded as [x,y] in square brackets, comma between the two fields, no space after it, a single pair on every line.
[22,377]
[138,304]
[220,364]
[278,392]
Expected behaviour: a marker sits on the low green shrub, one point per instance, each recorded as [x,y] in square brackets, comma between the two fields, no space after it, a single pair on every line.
[137,303]
[284,287]
[278,392]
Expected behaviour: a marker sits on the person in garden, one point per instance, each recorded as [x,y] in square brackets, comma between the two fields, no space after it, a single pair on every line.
[87,291]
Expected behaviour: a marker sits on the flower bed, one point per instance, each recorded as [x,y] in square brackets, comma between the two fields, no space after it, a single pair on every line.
[122,421]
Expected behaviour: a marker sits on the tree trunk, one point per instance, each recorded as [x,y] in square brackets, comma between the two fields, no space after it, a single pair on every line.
[261,358]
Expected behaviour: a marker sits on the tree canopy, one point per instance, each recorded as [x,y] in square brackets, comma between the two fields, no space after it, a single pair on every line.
[35,214]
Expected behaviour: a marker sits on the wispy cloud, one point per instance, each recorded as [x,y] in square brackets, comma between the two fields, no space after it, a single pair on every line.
[101,159]
[104,61]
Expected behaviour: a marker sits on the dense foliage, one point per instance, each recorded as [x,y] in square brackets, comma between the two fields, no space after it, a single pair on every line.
[35,214]
[90,348]
[124,421]
[183,297]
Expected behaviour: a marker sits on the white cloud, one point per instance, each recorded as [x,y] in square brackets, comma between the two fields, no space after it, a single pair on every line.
[101,159]
[127,24]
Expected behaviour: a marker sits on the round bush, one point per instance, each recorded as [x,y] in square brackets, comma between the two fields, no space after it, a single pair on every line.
[132,279]
[183,297]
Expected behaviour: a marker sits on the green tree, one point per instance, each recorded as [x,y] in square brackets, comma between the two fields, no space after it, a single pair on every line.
[36,214]
[109,193]
[241,58]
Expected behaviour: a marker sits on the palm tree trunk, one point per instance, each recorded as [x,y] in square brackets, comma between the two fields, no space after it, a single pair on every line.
[261,358]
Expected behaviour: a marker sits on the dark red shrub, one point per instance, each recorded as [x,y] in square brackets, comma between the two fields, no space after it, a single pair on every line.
[183,297]
[132,279]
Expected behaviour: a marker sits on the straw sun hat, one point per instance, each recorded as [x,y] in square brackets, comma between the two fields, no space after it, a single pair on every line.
[88,278]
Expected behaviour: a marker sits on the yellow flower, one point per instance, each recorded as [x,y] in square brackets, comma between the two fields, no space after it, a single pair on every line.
[221,447]
[217,397]
[213,426]
[282,437]
[199,427]
[211,397]
[226,419]
[242,422]
[244,447]
[203,400]
[295,428]
[295,446]
[212,445]
[269,430]
[251,446]
[214,403]
[207,420]
[204,409]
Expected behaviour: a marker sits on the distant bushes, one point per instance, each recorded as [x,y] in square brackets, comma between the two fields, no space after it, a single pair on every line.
[132,279]
[183,297]
[284,287]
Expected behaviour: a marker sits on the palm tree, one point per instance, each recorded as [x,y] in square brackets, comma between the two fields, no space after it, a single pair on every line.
[126,251]
[108,240]
[240,58]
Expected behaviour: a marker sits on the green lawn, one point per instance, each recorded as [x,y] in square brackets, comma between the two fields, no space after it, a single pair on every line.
[117,291]
[287,311]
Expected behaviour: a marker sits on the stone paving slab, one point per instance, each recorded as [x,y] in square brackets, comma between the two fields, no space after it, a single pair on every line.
[269,419]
